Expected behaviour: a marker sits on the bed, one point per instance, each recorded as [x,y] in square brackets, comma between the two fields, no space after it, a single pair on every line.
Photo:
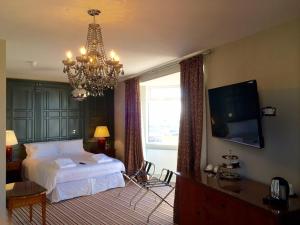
[86,177]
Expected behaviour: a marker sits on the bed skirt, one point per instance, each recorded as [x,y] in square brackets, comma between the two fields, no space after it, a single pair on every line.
[88,186]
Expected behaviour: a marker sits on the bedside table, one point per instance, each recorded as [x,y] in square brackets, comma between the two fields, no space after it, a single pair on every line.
[109,152]
[13,171]
[25,193]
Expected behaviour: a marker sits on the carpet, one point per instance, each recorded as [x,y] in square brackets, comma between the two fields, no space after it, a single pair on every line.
[101,208]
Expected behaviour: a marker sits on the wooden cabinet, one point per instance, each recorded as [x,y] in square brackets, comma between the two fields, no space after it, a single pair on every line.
[44,111]
[210,201]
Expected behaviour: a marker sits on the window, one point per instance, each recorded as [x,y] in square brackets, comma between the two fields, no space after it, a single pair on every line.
[160,108]
[163,114]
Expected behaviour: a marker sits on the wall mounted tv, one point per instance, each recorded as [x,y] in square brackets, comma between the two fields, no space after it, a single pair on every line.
[235,113]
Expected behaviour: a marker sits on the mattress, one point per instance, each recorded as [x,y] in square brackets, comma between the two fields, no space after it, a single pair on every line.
[45,174]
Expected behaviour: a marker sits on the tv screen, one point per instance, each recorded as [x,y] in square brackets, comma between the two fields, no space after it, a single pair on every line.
[235,113]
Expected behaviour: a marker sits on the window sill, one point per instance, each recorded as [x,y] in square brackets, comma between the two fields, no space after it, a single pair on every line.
[161,147]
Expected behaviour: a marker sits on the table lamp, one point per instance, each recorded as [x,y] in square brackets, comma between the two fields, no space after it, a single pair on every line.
[11,140]
[101,133]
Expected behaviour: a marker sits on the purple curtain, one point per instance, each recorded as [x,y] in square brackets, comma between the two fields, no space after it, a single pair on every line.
[133,140]
[191,121]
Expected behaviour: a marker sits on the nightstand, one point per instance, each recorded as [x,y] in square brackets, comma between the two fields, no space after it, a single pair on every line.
[109,152]
[13,171]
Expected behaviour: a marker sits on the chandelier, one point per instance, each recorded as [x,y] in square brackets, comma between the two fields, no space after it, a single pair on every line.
[92,73]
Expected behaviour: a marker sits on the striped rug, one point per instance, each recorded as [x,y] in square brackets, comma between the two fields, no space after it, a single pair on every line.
[101,208]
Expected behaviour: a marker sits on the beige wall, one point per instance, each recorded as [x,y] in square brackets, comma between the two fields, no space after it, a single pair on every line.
[272,57]
[2,129]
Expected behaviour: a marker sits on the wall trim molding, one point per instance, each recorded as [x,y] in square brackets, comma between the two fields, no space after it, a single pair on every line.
[172,65]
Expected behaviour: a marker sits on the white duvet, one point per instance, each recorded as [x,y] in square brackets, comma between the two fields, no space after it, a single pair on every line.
[44,173]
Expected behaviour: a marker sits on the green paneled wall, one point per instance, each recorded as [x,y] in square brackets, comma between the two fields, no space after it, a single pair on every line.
[44,111]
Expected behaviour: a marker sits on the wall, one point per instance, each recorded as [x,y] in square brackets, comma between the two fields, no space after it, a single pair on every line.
[2,130]
[272,57]
[162,158]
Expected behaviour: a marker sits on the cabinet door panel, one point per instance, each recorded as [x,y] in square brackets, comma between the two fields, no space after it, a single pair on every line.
[52,98]
[20,128]
[74,130]
[191,202]
[61,114]
[22,98]
[216,207]
[254,215]
[21,116]
[53,128]
[73,105]
[63,128]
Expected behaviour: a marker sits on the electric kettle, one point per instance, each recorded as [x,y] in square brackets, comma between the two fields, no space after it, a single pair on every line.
[279,189]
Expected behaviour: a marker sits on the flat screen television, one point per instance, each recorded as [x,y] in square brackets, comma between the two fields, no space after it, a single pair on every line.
[235,113]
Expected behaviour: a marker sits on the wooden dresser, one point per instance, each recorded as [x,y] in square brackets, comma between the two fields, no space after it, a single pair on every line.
[211,201]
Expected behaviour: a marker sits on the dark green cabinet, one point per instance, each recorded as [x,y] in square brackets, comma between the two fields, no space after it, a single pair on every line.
[20,110]
[61,115]
[44,111]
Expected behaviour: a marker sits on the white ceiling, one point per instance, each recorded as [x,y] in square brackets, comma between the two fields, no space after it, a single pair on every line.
[170,80]
[144,33]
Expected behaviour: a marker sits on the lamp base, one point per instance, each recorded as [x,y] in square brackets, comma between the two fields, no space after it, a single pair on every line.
[101,144]
[8,153]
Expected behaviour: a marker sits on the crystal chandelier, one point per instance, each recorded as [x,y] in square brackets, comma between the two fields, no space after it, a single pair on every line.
[92,73]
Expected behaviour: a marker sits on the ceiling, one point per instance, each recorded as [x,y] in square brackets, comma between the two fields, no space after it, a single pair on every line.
[170,80]
[144,33]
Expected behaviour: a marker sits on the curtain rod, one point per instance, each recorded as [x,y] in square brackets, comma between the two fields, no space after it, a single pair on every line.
[167,64]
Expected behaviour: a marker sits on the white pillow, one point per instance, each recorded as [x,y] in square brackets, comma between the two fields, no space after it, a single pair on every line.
[71,147]
[42,149]
[28,148]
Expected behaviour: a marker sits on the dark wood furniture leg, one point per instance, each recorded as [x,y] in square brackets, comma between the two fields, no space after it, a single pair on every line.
[30,213]
[10,214]
[44,208]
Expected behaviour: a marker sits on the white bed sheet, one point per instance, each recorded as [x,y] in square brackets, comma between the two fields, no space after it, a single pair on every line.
[44,173]
[89,186]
